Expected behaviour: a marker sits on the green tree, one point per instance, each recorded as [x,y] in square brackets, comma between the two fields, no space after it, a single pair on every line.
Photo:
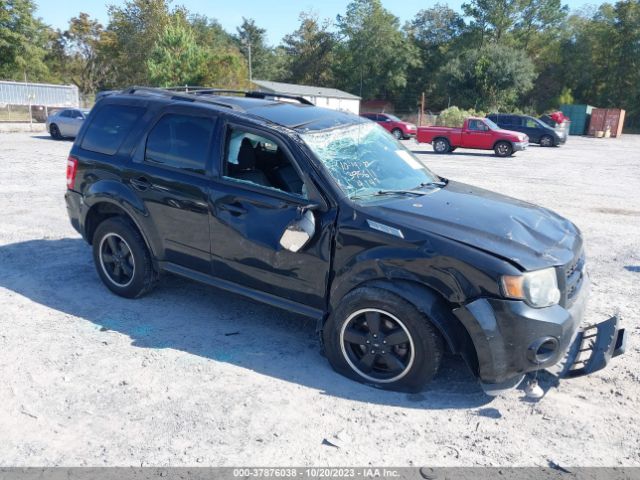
[130,37]
[176,58]
[23,38]
[310,52]
[374,55]
[489,78]
[434,32]
[491,18]
[251,37]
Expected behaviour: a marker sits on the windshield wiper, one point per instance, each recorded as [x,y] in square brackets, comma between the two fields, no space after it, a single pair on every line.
[381,193]
[432,184]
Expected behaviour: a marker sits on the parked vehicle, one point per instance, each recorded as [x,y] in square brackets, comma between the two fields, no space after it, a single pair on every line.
[477,133]
[559,122]
[324,214]
[537,131]
[66,122]
[398,128]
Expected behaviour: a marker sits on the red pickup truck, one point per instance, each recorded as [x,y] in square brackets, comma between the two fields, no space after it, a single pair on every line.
[478,133]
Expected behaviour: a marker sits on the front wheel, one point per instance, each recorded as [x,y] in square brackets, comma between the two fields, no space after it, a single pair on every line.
[378,338]
[55,132]
[503,149]
[546,141]
[122,258]
[441,145]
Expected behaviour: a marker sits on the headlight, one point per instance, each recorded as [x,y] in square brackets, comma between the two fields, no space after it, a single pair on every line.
[538,289]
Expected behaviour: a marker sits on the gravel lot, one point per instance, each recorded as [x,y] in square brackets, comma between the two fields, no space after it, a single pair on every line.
[190,375]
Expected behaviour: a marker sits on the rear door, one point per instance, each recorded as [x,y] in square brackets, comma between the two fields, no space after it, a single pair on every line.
[477,135]
[262,187]
[170,173]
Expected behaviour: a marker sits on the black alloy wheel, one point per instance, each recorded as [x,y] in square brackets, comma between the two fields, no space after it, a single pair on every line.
[377,345]
[116,260]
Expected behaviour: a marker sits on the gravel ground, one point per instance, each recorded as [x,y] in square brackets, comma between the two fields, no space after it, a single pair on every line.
[190,375]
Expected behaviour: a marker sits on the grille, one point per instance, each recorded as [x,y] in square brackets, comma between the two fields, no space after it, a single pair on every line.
[574,275]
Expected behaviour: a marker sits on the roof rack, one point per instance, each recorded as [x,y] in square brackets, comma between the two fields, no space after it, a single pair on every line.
[196,90]
[165,92]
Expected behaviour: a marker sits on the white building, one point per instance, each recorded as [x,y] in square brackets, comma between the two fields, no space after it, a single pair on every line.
[319,96]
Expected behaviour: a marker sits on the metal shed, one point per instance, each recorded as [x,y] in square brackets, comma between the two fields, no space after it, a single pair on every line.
[41,94]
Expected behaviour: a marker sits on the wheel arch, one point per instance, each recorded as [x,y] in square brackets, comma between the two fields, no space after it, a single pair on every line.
[108,199]
[436,308]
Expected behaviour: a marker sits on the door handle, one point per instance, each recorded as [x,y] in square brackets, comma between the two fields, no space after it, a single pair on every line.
[234,209]
[140,183]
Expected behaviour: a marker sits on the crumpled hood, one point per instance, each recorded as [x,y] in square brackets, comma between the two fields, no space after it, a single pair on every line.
[527,235]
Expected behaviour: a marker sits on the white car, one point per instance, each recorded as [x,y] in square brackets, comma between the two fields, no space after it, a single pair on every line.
[66,123]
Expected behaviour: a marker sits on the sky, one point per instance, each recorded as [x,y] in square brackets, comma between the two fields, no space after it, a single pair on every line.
[277,17]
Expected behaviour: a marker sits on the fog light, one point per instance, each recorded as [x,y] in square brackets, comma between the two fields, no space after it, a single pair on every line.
[542,350]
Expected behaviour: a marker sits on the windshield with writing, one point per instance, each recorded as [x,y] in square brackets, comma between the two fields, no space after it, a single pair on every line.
[365,159]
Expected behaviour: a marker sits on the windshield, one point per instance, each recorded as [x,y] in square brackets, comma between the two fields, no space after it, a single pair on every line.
[491,125]
[365,159]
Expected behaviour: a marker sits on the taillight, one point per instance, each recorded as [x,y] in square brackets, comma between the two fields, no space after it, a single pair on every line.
[72,169]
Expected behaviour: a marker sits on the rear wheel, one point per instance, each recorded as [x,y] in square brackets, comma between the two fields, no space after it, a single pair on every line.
[55,132]
[441,145]
[503,149]
[397,133]
[122,258]
[378,338]
[546,141]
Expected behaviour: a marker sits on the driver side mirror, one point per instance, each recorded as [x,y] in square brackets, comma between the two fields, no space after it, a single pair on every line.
[299,232]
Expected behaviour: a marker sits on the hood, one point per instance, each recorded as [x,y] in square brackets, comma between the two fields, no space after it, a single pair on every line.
[513,133]
[529,236]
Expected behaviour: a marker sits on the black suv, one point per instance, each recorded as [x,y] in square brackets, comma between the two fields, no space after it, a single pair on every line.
[538,131]
[325,214]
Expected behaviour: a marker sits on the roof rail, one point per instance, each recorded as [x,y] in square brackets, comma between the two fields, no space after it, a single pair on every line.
[197,90]
[177,96]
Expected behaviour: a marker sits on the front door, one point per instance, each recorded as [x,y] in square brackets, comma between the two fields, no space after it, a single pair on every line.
[261,189]
[170,175]
[477,135]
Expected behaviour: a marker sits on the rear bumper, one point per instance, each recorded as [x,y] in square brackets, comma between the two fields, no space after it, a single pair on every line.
[519,146]
[511,338]
[74,203]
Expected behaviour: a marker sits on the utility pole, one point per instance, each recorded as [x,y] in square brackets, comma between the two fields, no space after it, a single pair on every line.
[250,66]
[421,110]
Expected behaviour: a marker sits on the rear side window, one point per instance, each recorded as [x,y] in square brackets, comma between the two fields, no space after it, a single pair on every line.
[180,141]
[109,127]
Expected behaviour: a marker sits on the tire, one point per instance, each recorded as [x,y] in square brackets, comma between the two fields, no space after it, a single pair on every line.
[503,149]
[441,145]
[122,258]
[546,141]
[54,131]
[406,366]
[397,133]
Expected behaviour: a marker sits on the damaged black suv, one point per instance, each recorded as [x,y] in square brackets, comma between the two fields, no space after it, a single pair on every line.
[325,214]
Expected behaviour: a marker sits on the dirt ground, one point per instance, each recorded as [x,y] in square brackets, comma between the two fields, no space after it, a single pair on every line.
[190,375]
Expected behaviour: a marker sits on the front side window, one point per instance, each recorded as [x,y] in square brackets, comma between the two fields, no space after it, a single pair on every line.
[260,161]
[109,128]
[478,125]
[180,141]
[531,123]
[363,159]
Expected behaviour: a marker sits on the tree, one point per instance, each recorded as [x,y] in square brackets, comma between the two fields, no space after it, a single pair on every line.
[491,18]
[489,78]
[82,43]
[176,59]
[310,52]
[434,32]
[374,55]
[22,41]
[130,37]
[250,36]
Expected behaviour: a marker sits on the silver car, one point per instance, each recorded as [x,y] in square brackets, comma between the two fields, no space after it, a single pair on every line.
[66,123]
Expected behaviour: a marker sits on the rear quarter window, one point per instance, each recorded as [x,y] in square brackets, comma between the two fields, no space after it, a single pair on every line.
[109,127]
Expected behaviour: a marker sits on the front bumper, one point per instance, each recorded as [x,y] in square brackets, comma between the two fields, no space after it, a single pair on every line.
[511,338]
[519,146]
